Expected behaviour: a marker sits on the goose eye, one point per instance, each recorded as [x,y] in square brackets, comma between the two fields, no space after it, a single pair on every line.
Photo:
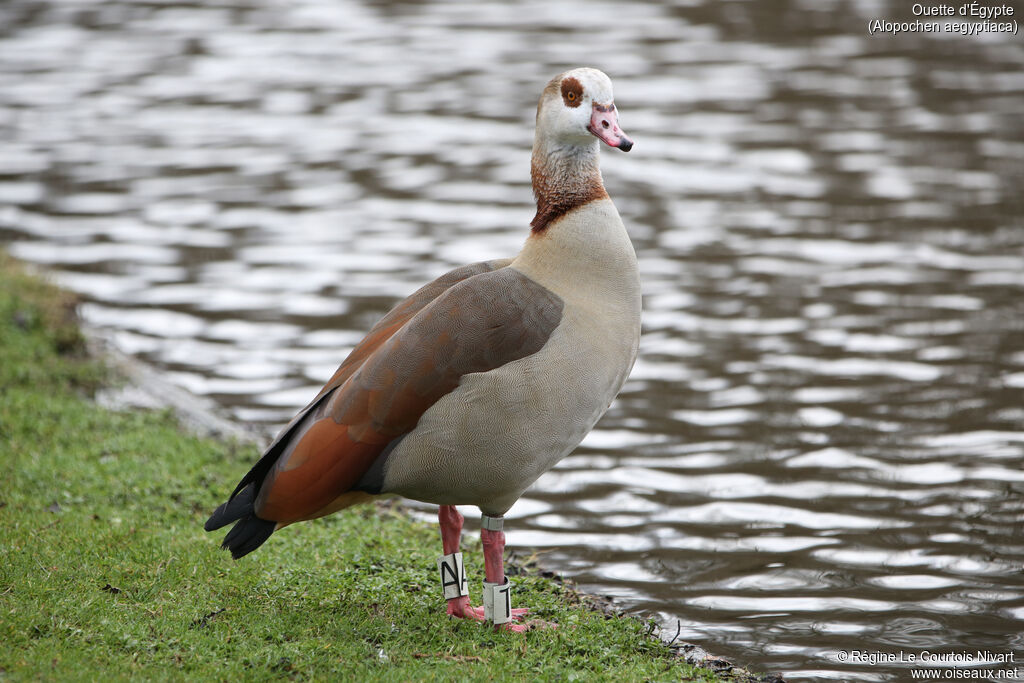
[572,92]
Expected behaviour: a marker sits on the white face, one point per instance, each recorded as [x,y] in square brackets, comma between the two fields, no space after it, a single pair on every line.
[577,107]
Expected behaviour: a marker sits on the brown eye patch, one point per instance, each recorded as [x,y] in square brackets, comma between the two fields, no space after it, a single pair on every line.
[572,92]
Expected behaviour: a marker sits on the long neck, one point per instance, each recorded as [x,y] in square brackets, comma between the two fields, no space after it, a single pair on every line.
[564,178]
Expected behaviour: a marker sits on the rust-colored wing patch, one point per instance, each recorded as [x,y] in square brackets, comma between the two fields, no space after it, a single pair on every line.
[475,325]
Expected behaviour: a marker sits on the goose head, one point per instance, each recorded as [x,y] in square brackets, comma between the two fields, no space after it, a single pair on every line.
[575,108]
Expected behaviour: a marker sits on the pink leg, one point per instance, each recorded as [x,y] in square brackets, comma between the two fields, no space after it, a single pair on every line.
[494,555]
[451,531]
[451,527]
[494,570]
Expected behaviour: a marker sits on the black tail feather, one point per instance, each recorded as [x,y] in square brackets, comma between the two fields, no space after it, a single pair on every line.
[237,507]
[249,532]
[247,535]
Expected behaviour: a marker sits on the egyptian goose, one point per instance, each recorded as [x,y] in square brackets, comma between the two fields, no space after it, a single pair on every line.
[478,383]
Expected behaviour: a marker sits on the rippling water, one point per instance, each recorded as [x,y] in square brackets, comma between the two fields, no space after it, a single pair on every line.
[821,448]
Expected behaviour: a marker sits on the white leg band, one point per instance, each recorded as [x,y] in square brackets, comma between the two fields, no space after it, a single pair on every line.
[491,523]
[453,576]
[498,602]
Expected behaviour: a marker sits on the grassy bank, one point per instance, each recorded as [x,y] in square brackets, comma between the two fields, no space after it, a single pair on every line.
[105,571]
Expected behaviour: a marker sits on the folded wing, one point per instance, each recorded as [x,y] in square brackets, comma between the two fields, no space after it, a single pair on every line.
[474,319]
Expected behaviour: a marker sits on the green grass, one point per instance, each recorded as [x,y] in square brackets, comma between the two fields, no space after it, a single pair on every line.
[106,573]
